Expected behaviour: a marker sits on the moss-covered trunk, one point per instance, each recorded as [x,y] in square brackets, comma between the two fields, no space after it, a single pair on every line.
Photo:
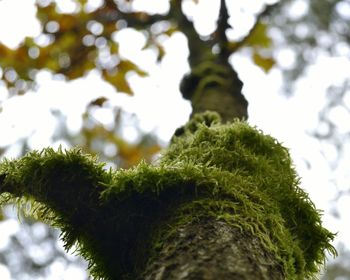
[222,202]
[214,86]
[212,249]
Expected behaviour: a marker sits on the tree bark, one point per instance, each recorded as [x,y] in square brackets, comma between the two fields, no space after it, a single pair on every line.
[213,249]
[227,105]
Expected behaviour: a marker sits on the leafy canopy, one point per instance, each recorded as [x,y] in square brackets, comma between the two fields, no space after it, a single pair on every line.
[72,44]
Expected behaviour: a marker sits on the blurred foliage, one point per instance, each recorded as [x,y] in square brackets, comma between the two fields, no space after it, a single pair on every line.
[71,44]
[339,268]
[35,252]
[259,40]
[328,130]
[310,28]
[121,152]
[109,142]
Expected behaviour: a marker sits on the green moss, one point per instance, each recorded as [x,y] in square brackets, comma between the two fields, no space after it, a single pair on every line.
[229,172]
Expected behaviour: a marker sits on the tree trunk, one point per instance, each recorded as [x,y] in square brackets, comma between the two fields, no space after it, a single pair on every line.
[212,249]
[213,85]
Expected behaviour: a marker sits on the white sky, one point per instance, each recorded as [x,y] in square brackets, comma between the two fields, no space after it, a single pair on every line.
[160,108]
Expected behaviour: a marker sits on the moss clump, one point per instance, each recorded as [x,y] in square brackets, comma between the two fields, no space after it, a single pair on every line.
[230,172]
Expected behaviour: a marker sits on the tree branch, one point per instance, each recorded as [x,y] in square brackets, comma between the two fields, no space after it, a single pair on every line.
[111,12]
[221,30]
[266,11]
[67,183]
[198,48]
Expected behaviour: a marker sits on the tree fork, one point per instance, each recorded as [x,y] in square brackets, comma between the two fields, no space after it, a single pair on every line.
[212,83]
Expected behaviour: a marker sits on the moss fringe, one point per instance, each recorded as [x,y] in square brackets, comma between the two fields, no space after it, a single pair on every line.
[230,172]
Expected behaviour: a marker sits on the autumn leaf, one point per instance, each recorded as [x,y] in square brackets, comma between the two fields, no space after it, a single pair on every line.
[129,153]
[4,51]
[114,47]
[67,22]
[118,80]
[125,66]
[161,52]
[259,37]
[170,31]
[98,101]
[265,63]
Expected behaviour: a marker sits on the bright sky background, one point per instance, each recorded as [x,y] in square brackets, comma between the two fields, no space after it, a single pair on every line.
[160,108]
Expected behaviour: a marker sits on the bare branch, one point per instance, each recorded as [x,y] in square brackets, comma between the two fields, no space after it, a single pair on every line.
[223,25]
[198,48]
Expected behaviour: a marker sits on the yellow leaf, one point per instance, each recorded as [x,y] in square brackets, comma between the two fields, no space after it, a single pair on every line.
[4,51]
[125,66]
[265,63]
[259,37]
[52,64]
[114,47]
[66,41]
[232,46]
[161,52]
[118,81]
[67,22]
[171,30]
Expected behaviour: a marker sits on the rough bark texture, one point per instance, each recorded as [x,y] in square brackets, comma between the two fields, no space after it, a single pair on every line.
[212,249]
[227,105]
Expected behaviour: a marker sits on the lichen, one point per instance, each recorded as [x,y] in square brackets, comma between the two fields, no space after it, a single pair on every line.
[230,172]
